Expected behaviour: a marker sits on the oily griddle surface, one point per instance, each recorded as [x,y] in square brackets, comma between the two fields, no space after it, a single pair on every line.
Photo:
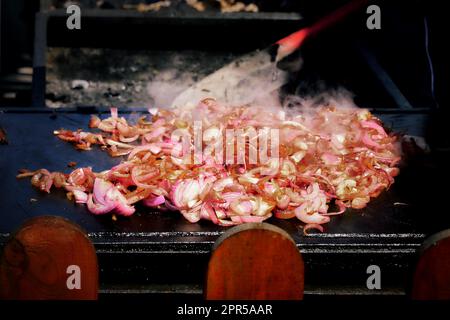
[32,145]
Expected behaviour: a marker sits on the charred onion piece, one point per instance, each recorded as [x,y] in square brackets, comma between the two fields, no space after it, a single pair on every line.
[3,138]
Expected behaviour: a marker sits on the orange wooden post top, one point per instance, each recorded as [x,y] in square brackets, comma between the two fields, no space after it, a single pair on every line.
[432,275]
[49,258]
[255,261]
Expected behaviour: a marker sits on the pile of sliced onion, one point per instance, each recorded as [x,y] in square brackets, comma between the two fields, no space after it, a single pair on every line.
[333,155]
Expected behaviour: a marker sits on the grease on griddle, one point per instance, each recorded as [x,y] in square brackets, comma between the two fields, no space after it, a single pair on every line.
[3,138]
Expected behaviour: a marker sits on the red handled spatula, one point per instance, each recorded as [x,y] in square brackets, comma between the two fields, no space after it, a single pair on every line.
[256,74]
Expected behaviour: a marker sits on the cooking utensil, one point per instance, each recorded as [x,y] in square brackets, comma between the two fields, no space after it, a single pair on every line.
[256,74]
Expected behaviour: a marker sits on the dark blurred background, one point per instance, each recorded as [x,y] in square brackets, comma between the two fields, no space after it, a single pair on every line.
[410,47]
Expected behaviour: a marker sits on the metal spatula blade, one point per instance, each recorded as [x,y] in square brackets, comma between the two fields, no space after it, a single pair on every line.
[230,84]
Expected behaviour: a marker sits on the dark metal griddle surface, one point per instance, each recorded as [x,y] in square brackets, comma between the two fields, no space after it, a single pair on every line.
[32,145]
[389,225]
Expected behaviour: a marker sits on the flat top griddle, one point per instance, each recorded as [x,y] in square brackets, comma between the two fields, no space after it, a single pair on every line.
[152,250]
[32,145]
